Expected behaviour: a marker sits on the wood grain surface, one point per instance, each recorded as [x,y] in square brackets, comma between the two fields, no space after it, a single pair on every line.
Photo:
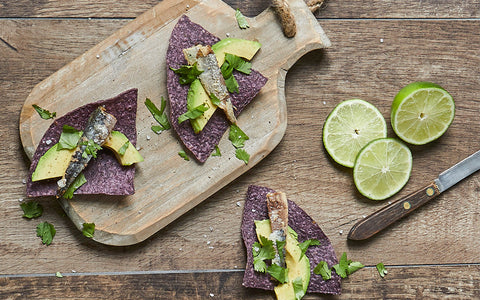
[377,48]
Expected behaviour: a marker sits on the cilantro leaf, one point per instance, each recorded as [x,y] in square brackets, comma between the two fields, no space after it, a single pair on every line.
[261,252]
[298,288]
[232,84]
[91,148]
[124,148]
[193,113]
[214,99]
[238,63]
[31,209]
[184,155]
[346,267]
[323,270]
[241,154]
[187,73]
[226,69]
[241,20]
[280,245]
[46,232]
[58,275]
[43,113]
[79,181]
[159,115]
[354,266]
[277,272]
[304,246]
[69,138]
[237,136]
[217,151]
[88,229]
[381,269]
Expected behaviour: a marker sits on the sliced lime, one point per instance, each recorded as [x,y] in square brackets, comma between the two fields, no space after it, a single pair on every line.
[382,168]
[422,112]
[350,126]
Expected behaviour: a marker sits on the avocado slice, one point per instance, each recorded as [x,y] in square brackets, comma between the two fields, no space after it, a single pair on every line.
[197,96]
[239,47]
[54,162]
[298,268]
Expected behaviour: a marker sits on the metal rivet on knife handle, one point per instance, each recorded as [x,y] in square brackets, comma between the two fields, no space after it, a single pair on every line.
[381,219]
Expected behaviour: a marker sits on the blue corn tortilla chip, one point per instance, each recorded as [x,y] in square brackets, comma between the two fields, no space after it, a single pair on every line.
[187,34]
[104,174]
[256,209]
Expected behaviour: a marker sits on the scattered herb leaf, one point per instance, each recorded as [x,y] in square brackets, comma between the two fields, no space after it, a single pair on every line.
[69,138]
[46,232]
[238,63]
[31,209]
[59,275]
[193,113]
[124,148]
[298,288]
[44,114]
[261,252]
[346,267]
[354,266]
[381,269]
[90,149]
[237,136]
[187,73]
[280,245]
[184,155]
[323,270]
[79,181]
[217,151]
[159,115]
[241,20]
[241,154]
[232,84]
[304,246]
[214,99]
[88,229]
[277,272]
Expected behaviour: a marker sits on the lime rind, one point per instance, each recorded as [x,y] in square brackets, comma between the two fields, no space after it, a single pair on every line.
[349,127]
[422,112]
[382,168]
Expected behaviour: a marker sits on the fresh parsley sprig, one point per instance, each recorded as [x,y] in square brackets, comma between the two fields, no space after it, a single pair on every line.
[31,209]
[43,113]
[187,73]
[46,232]
[159,115]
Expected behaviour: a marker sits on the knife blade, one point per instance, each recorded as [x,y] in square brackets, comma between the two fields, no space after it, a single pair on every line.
[379,220]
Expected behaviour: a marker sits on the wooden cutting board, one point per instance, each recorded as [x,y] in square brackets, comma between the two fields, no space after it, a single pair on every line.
[134,57]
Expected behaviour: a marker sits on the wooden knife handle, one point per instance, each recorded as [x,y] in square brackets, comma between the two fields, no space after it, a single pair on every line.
[384,217]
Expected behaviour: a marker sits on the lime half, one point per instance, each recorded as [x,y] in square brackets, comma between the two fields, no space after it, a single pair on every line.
[422,112]
[382,168]
[350,126]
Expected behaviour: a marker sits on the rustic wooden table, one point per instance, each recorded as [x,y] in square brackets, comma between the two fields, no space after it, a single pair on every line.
[377,48]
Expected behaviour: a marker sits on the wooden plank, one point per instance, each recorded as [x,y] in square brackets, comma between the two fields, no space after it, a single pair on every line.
[419,282]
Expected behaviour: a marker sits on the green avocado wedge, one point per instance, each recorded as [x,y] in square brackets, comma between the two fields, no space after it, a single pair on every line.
[115,142]
[239,47]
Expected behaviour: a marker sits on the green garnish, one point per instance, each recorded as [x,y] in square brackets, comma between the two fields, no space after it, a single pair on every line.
[79,181]
[277,272]
[69,138]
[232,84]
[346,267]
[159,115]
[261,252]
[90,149]
[304,246]
[323,270]
[298,288]
[31,209]
[46,232]
[381,269]
[88,229]
[241,154]
[241,20]
[217,151]
[184,155]
[187,73]
[238,63]
[58,274]
[44,114]
[214,99]
[193,113]
[237,136]
[124,148]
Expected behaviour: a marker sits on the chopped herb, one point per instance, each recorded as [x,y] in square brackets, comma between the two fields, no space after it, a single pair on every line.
[232,84]
[214,99]
[124,148]
[381,269]
[277,272]
[59,275]
[44,114]
[79,181]
[187,73]
[323,270]
[238,63]
[261,252]
[241,20]
[184,155]
[237,136]
[280,245]
[159,115]
[69,138]
[193,113]
[298,288]
[88,229]
[46,232]
[241,154]
[346,267]
[90,149]
[304,246]
[217,151]
[31,209]
[354,266]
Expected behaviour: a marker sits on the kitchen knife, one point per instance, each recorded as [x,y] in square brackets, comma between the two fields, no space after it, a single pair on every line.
[384,217]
